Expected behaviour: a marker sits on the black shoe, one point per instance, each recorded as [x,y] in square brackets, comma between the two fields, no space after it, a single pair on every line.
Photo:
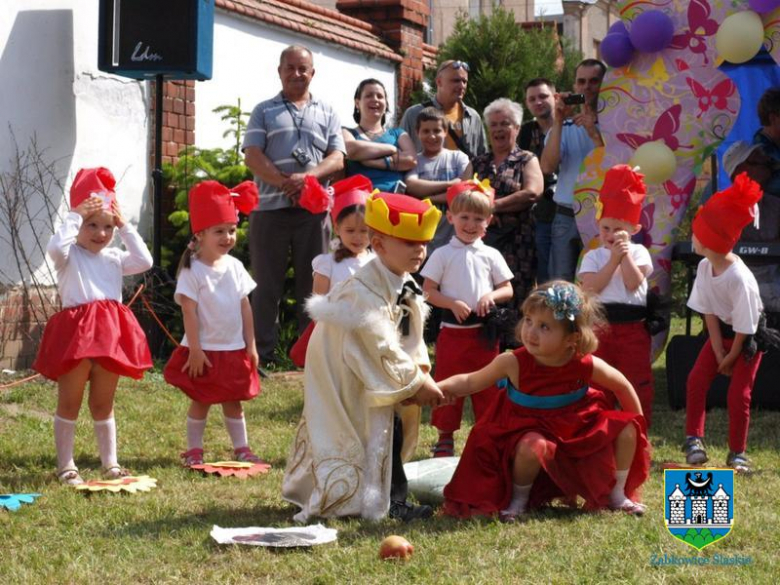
[406,512]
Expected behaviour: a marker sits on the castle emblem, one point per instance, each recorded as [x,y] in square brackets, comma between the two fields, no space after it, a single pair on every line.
[699,504]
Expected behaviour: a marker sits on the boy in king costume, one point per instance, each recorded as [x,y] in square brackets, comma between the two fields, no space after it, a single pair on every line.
[367,373]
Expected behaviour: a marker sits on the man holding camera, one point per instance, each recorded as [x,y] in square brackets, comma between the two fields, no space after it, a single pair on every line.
[288,137]
[571,139]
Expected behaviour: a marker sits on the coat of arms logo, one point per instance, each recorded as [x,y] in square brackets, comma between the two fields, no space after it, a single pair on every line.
[699,504]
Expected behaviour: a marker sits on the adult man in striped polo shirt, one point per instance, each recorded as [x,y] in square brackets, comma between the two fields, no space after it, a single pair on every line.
[289,136]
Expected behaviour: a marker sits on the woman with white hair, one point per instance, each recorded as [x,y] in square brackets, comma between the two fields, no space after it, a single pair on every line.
[516,176]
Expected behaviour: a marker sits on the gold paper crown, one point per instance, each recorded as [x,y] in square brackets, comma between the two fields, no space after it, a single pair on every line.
[413,225]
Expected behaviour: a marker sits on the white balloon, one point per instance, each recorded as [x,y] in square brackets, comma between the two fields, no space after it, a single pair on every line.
[656,162]
[740,36]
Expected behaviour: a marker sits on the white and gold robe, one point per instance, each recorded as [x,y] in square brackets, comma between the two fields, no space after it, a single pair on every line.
[358,370]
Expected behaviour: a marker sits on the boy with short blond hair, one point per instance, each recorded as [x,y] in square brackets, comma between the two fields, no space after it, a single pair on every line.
[367,373]
[465,278]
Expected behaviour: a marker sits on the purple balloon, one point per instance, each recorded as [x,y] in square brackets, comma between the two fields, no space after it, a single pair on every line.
[764,6]
[619,27]
[617,50]
[651,31]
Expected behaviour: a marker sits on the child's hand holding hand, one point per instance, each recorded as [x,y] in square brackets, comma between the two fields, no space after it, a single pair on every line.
[619,247]
[485,304]
[461,310]
[726,365]
[428,394]
[196,363]
[89,206]
[119,220]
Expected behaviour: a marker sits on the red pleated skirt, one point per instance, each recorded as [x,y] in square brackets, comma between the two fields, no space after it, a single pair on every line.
[298,350]
[230,377]
[579,459]
[105,332]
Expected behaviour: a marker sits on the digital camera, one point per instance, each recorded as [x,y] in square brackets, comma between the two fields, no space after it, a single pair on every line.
[574,99]
[301,157]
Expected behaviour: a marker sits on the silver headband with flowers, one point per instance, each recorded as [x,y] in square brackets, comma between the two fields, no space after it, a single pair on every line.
[563,300]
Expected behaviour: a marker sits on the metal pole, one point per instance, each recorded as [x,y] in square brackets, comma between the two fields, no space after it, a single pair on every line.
[157,171]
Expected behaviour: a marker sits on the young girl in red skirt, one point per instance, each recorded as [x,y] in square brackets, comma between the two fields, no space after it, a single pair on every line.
[217,360]
[94,338]
[549,435]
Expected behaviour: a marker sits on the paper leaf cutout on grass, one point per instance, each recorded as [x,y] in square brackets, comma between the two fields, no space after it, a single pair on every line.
[240,469]
[13,502]
[130,484]
[275,537]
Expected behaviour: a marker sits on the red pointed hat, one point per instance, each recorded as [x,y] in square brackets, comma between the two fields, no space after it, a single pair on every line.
[720,221]
[622,194]
[471,185]
[98,182]
[211,203]
[402,216]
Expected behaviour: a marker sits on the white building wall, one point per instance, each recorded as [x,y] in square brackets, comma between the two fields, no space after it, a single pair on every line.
[246,57]
[81,117]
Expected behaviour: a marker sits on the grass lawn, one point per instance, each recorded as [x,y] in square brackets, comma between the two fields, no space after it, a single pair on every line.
[163,536]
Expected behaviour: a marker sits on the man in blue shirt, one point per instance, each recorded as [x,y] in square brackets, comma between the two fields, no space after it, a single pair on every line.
[571,138]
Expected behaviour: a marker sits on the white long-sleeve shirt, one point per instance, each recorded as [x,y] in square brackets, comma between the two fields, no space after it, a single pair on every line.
[84,277]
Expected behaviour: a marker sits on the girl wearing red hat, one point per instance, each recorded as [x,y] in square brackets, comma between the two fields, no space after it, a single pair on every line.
[726,293]
[348,214]
[617,274]
[216,362]
[94,338]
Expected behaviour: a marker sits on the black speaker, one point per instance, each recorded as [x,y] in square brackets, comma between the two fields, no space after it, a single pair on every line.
[146,38]
[681,354]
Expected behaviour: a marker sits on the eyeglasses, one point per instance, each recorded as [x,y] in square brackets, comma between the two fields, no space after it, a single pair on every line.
[455,65]
[501,124]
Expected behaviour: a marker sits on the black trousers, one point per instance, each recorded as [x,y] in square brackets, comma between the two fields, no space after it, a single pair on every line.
[399,487]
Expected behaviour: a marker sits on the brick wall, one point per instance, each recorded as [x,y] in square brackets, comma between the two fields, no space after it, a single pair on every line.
[178,127]
[21,324]
[402,24]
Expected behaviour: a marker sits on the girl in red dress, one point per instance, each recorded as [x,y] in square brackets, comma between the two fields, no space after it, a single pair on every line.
[94,338]
[549,434]
[216,362]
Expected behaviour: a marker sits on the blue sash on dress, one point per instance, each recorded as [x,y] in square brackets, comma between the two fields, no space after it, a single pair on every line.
[544,402]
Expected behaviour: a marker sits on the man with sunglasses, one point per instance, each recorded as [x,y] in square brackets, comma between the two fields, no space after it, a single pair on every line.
[465,129]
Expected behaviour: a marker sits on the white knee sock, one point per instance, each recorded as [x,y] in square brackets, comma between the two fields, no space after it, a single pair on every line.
[618,495]
[64,437]
[195,429]
[105,433]
[236,428]
[519,503]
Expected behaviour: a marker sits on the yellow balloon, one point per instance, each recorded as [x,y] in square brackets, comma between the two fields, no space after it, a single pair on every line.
[740,36]
[656,162]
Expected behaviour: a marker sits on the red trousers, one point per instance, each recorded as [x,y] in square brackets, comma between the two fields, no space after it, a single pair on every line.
[460,351]
[738,398]
[627,348]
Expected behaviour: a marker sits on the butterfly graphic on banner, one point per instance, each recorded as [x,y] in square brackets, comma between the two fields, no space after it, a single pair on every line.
[665,128]
[717,97]
[700,26]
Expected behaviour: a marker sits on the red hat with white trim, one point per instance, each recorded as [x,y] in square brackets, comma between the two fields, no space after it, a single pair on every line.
[97,182]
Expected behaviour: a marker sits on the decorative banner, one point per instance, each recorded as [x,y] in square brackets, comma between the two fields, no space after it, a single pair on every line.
[13,502]
[275,537]
[129,484]
[240,469]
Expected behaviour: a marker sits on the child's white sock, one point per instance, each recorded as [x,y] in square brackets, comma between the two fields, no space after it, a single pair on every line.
[105,433]
[195,429]
[618,495]
[236,428]
[519,501]
[64,437]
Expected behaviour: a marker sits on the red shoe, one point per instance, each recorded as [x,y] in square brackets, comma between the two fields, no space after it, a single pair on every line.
[244,454]
[192,457]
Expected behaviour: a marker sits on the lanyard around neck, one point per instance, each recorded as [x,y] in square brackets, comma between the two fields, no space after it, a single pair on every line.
[298,123]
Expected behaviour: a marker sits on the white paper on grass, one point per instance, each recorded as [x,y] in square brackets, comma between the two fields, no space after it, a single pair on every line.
[428,477]
[275,537]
